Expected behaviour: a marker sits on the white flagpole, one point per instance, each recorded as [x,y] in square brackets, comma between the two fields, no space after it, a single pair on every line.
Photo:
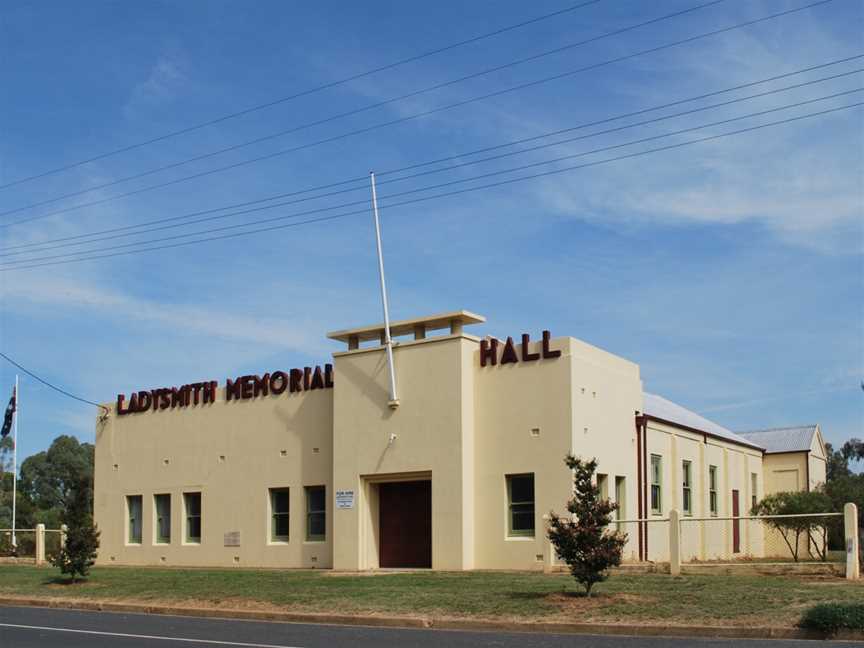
[15,462]
[394,400]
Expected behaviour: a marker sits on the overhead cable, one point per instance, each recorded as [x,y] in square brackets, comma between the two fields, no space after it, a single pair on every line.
[368,129]
[27,264]
[304,93]
[172,222]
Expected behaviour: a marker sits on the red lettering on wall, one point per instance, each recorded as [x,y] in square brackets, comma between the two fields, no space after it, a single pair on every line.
[488,352]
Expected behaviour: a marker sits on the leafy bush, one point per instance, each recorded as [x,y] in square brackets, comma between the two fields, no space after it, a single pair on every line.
[829,618]
[812,532]
[82,538]
[582,539]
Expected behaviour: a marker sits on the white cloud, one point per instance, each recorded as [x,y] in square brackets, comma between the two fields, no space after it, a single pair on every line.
[164,80]
[183,319]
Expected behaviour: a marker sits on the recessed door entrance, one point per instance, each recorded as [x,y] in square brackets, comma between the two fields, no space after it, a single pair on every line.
[405,524]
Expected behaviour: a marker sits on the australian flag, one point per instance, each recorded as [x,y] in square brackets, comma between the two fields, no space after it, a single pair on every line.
[10,413]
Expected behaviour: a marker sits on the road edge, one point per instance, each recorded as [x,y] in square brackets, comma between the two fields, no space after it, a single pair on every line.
[432,623]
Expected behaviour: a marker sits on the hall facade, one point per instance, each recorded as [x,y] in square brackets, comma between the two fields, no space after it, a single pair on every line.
[317,467]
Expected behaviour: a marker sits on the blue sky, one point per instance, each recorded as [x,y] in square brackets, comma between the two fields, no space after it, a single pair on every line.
[731,271]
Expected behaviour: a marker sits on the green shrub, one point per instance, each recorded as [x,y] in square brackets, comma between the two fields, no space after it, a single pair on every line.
[831,617]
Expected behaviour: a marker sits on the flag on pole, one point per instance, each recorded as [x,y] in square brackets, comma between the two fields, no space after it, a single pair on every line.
[10,413]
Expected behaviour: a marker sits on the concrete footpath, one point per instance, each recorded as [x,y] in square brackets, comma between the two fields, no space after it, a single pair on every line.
[430,622]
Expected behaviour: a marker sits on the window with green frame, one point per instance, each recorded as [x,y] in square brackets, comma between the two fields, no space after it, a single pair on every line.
[656,489]
[712,490]
[192,506]
[280,510]
[316,513]
[520,505]
[162,508]
[687,489]
[134,505]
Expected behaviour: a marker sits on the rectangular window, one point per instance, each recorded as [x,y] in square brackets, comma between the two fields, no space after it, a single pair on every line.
[603,485]
[656,476]
[134,504]
[620,500]
[754,483]
[192,505]
[687,490]
[280,509]
[520,505]
[162,506]
[316,513]
[712,490]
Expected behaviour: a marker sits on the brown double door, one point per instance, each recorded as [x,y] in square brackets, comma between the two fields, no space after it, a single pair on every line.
[405,524]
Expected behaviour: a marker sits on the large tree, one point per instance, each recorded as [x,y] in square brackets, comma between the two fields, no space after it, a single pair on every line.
[49,478]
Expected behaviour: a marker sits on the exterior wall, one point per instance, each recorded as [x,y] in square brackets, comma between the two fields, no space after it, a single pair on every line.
[230,452]
[529,415]
[701,539]
[785,471]
[818,461]
[431,433]
[607,393]
[460,425]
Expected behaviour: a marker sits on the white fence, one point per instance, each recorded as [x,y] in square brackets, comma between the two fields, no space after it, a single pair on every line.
[31,544]
[677,540]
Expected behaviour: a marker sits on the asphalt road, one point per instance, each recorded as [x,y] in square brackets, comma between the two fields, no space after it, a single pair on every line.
[45,628]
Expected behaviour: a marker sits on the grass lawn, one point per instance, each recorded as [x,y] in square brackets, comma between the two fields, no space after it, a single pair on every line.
[628,598]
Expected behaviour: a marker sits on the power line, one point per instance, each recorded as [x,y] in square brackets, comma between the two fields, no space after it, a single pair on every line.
[426,113]
[356,111]
[364,179]
[48,384]
[426,198]
[305,93]
[112,236]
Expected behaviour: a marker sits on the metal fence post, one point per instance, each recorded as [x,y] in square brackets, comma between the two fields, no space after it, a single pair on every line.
[850,534]
[674,542]
[40,545]
[63,530]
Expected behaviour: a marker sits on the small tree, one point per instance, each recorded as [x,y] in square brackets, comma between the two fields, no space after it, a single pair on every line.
[82,538]
[793,529]
[582,539]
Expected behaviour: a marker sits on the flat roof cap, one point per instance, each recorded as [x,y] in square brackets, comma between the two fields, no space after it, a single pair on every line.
[408,326]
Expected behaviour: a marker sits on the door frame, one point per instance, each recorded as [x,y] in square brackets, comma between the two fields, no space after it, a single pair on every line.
[736,523]
[369,514]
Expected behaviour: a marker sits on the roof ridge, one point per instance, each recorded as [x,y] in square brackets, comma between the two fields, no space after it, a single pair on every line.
[777,429]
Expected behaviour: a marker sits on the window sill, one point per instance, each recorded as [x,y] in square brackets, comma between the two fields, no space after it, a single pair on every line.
[278,543]
[191,544]
[510,538]
[315,541]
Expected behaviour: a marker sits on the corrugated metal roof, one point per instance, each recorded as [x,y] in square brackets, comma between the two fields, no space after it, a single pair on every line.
[789,439]
[661,408]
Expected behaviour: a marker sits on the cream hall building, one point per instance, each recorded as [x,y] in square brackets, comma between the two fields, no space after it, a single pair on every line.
[317,467]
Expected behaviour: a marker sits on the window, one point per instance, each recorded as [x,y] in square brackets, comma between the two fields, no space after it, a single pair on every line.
[603,485]
[316,513]
[754,483]
[280,509]
[162,506]
[687,490]
[656,475]
[620,500]
[192,504]
[712,490]
[133,509]
[520,505]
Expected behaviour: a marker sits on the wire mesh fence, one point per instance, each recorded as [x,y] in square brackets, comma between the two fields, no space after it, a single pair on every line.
[53,541]
[784,538]
[24,545]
